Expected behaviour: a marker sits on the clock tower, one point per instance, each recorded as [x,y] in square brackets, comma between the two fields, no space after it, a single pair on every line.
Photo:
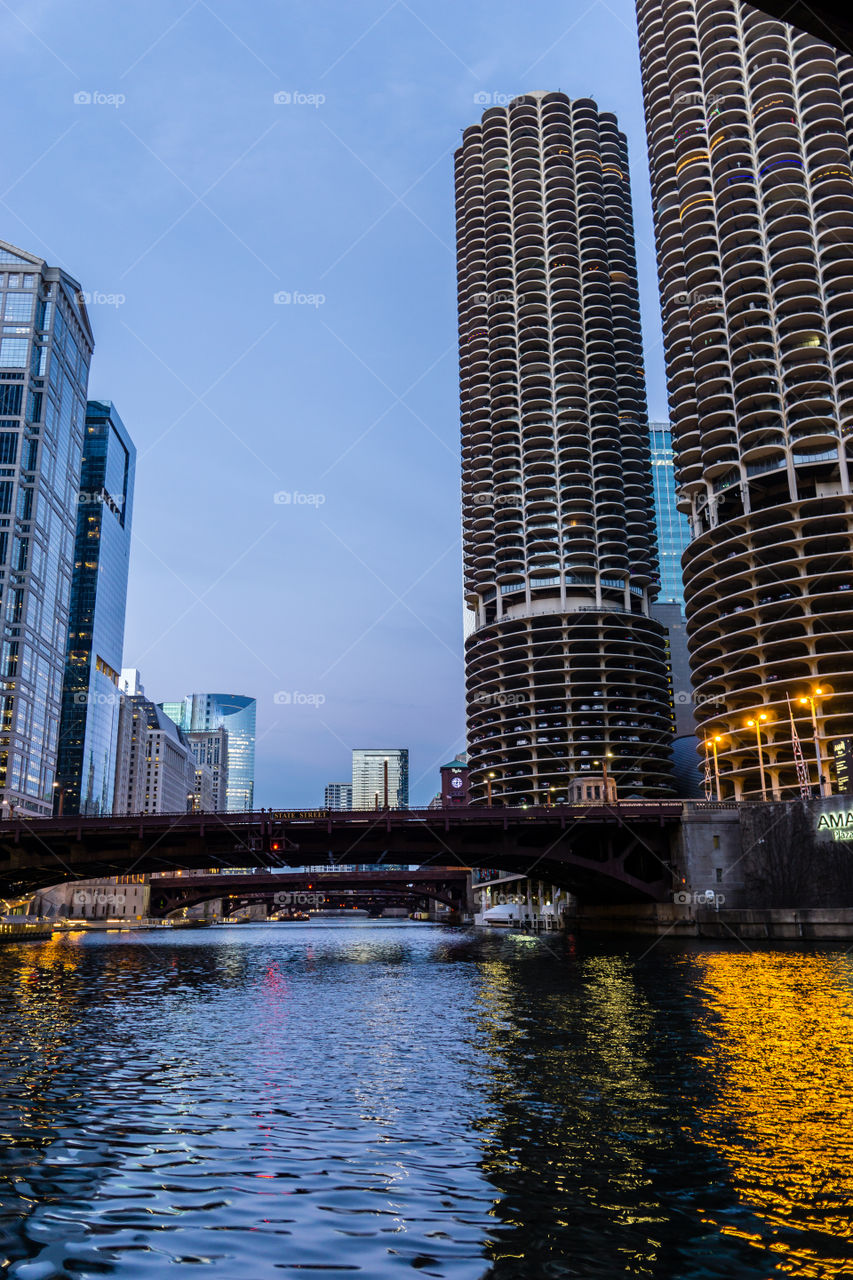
[454,783]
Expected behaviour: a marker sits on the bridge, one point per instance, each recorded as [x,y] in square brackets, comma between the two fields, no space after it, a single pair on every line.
[290,892]
[618,852]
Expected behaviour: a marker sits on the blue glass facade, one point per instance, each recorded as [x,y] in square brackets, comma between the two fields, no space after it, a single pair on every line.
[90,695]
[200,712]
[45,350]
[673,528]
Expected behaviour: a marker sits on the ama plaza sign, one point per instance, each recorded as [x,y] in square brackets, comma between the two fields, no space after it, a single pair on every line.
[838,823]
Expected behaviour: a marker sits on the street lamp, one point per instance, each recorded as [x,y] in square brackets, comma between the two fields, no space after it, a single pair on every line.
[824,784]
[756,725]
[548,791]
[712,743]
[58,787]
[489,777]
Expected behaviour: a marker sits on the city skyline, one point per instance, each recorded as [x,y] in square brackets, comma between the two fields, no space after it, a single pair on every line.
[386,673]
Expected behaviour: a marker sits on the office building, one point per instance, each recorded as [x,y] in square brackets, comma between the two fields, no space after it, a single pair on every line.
[749,124]
[201,712]
[155,767]
[45,351]
[338,796]
[380,778]
[671,525]
[210,749]
[90,694]
[565,663]
[673,535]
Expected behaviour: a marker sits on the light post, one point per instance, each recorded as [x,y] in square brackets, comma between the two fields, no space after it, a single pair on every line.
[61,795]
[190,802]
[548,791]
[712,743]
[489,777]
[824,784]
[756,725]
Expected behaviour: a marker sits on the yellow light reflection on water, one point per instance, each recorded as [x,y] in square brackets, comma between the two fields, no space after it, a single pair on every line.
[781,1057]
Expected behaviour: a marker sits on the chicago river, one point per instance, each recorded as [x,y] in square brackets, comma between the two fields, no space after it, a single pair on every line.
[372,1098]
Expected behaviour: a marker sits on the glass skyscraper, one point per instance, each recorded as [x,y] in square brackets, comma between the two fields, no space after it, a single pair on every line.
[45,350]
[371,768]
[90,694]
[673,527]
[201,712]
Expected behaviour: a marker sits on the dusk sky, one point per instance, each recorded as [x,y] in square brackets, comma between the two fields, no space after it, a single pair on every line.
[184,198]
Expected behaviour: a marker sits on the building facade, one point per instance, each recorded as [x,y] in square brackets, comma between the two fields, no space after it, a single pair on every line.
[45,350]
[565,662]
[201,712]
[338,796]
[749,124]
[380,778]
[156,771]
[210,749]
[90,694]
[671,525]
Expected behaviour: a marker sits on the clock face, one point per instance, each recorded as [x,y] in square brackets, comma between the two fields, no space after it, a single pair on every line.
[456,782]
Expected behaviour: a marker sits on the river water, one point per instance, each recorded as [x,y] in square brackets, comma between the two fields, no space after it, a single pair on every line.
[372,1100]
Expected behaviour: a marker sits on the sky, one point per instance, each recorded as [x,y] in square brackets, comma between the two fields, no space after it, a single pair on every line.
[258,201]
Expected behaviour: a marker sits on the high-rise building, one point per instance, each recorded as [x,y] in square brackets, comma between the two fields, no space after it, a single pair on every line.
[338,796]
[156,772]
[672,526]
[565,664]
[90,693]
[45,349]
[673,534]
[201,712]
[210,749]
[749,124]
[380,778]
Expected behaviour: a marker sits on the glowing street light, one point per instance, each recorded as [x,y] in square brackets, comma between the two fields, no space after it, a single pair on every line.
[756,725]
[712,743]
[489,777]
[824,783]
